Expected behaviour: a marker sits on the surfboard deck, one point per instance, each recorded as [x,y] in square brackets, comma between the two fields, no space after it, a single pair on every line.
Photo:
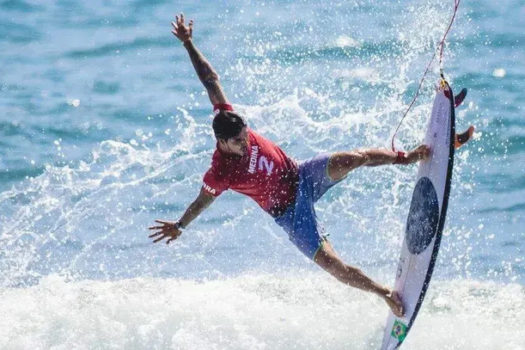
[426,217]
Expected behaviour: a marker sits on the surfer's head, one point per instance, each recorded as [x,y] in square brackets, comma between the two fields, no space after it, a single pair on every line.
[230,132]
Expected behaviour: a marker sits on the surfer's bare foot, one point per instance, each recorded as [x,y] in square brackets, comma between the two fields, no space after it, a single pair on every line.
[422,152]
[464,137]
[394,302]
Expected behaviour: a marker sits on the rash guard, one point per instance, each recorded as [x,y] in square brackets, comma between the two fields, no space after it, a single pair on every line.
[264,173]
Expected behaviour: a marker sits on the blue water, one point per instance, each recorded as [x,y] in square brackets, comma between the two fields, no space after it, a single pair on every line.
[104,127]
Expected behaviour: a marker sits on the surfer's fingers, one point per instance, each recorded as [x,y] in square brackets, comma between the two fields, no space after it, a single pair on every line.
[155,227]
[155,234]
[160,238]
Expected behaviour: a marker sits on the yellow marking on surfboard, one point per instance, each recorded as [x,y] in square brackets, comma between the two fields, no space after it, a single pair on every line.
[443,84]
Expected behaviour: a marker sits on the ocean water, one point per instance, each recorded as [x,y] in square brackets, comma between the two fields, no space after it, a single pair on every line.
[104,127]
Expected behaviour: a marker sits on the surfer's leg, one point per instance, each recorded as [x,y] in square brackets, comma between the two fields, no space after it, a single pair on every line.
[328,259]
[341,163]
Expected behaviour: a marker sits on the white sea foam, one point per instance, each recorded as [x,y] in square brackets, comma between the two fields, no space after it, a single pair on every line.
[259,311]
[346,41]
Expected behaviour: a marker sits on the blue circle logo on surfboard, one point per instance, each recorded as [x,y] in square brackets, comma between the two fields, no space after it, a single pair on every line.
[423,217]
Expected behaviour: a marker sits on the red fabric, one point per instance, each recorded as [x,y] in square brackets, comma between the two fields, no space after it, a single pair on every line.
[221,107]
[265,174]
[401,158]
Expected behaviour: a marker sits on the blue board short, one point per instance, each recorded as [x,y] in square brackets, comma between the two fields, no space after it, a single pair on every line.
[299,220]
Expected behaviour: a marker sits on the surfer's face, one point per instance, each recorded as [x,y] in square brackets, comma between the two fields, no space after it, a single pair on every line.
[237,145]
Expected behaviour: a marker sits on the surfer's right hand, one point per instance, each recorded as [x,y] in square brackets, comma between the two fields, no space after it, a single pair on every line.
[169,230]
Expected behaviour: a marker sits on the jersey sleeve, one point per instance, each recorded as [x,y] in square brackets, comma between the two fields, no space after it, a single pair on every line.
[213,183]
[222,107]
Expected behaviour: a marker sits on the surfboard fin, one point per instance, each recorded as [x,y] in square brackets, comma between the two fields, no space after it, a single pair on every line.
[464,137]
[458,99]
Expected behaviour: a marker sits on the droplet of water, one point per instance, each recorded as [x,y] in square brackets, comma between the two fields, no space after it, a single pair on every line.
[499,73]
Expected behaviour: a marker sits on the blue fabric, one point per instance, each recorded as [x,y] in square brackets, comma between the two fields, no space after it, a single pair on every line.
[299,220]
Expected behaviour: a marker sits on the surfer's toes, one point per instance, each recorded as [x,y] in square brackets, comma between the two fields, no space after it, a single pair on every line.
[399,304]
[464,137]
[396,305]
[426,152]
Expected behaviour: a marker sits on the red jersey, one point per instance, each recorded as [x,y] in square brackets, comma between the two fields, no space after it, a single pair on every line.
[265,174]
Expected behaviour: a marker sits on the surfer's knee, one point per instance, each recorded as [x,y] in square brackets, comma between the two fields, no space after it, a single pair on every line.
[341,163]
[325,257]
[330,262]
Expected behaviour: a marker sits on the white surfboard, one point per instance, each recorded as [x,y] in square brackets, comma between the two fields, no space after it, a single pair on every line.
[426,218]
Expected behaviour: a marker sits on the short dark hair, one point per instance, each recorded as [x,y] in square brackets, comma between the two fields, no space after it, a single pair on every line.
[227,124]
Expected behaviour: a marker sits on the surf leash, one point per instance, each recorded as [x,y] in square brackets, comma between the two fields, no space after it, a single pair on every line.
[441,46]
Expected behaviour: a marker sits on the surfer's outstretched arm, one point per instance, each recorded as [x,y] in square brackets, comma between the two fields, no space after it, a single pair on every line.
[172,230]
[206,73]
[341,163]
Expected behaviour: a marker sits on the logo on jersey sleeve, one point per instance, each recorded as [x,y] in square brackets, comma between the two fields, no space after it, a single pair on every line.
[209,189]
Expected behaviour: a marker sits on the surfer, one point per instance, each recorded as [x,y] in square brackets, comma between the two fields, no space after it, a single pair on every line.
[248,163]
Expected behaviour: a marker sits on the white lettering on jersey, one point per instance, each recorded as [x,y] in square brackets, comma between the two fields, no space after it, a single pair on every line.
[253,159]
[263,163]
[209,189]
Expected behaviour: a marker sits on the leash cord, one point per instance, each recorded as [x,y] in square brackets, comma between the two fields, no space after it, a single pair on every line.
[441,45]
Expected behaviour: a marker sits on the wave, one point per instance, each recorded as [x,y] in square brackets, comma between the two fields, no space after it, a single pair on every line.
[292,310]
